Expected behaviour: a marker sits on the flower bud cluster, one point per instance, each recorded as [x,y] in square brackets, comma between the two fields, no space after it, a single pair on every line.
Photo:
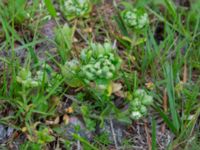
[101,63]
[75,8]
[44,76]
[138,105]
[24,77]
[135,18]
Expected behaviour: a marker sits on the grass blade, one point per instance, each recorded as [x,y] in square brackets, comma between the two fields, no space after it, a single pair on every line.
[167,120]
[170,90]
[171,7]
[50,8]
[153,135]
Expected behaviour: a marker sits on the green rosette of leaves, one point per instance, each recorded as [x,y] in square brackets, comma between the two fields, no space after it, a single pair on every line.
[75,8]
[139,102]
[100,64]
[135,18]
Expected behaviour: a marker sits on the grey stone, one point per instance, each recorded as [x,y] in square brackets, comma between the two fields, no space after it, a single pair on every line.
[9,131]
[3,133]
[70,129]
[118,128]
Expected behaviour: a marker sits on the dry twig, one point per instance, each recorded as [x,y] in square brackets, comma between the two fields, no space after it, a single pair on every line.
[113,134]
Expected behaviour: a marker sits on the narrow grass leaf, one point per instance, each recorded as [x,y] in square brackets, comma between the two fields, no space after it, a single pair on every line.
[82,140]
[50,8]
[167,120]
[170,91]
[153,135]
[171,7]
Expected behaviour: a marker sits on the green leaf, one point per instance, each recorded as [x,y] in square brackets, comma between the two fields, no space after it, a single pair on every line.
[121,25]
[153,134]
[167,120]
[85,142]
[64,39]
[124,117]
[170,91]
[171,7]
[50,7]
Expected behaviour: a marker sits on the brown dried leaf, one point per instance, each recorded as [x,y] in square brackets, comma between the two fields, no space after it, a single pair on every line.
[69,110]
[66,119]
[116,87]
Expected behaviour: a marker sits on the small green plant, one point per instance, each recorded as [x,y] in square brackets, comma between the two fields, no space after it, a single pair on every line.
[103,138]
[75,8]
[18,10]
[17,7]
[135,18]
[33,92]
[95,71]
[132,22]
[30,145]
[98,64]
[38,139]
[90,124]
[25,78]
[46,76]
[64,39]
[139,102]
[43,136]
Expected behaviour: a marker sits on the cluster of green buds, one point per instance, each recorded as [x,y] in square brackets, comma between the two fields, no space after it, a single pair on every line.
[103,68]
[76,8]
[24,77]
[44,76]
[100,63]
[135,18]
[139,102]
